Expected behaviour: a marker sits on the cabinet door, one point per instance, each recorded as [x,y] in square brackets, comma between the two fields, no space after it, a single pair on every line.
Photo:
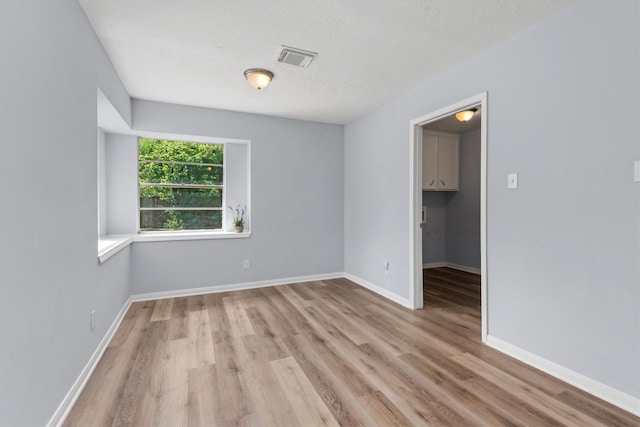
[429,162]
[448,163]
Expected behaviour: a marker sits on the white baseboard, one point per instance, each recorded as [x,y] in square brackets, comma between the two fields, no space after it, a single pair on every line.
[434,265]
[464,268]
[67,403]
[233,287]
[378,290]
[602,391]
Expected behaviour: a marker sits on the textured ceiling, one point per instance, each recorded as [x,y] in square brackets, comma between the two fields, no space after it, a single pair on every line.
[194,52]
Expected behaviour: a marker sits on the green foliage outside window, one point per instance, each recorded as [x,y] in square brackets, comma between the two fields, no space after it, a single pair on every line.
[183,177]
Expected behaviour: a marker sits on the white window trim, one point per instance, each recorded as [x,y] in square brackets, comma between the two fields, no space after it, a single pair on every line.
[218,186]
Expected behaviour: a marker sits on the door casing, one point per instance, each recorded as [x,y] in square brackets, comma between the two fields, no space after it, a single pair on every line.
[415,201]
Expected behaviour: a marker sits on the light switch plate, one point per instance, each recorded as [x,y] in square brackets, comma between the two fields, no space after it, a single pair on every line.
[512,181]
[636,171]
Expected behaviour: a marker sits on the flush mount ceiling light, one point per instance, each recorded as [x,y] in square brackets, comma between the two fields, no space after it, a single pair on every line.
[465,116]
[258,78]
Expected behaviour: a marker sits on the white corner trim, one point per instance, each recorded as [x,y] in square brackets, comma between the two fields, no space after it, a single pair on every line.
[58,417]
[378,290]
[602,391]
[233,287]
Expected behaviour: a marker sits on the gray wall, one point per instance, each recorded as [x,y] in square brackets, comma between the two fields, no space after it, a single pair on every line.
[434,237]
[463,207]
[102,183]
[122,183]
[236,189]
[563,249]
[296,202]
[49,275]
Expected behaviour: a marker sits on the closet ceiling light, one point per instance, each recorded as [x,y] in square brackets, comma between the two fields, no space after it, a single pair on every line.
[465,116]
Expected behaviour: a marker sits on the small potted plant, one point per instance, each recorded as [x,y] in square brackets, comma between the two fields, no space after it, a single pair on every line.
[238,218]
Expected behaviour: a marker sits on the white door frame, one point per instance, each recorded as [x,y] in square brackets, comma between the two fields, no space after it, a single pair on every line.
[415,200]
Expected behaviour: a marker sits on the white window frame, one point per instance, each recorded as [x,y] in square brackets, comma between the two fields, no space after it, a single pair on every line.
[208,186]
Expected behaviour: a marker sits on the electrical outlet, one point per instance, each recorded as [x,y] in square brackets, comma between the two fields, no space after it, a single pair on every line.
[386,267]
[245,264]
[92,320]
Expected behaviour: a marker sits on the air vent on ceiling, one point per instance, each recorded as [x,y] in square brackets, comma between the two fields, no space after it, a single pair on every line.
[297,57]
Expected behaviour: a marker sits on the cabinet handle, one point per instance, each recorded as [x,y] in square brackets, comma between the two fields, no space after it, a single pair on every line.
[442,182]
[432,181]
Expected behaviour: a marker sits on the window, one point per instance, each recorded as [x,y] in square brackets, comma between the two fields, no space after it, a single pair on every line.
[180,185]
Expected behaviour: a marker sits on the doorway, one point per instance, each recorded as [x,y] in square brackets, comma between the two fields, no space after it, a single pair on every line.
[415,238]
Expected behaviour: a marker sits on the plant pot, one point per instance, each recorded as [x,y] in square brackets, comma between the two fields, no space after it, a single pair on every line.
[238,228]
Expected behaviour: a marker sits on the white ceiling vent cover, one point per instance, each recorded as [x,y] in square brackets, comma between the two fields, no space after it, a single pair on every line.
[297,57]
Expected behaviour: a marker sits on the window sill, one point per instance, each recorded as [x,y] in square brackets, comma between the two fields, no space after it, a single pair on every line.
[108,246]
[166,236]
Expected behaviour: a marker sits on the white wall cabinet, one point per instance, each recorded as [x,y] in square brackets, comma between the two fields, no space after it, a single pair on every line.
[440,161]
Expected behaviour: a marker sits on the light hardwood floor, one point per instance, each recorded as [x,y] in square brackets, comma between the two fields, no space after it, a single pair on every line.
[323,353]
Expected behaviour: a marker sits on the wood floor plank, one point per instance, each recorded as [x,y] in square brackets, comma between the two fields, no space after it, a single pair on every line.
[179,326]
[360,321]
[170,386]
[135,392]
[279,325]
[455,386]
[334,394]
[233,395]
[203,400]
[263,344]
[295,297]
[200,339]
[323,353]
[162,310]
[356,334]
[230,361]
[272,408]
[238,317]
[563,413]
[196,303]
[305,401]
